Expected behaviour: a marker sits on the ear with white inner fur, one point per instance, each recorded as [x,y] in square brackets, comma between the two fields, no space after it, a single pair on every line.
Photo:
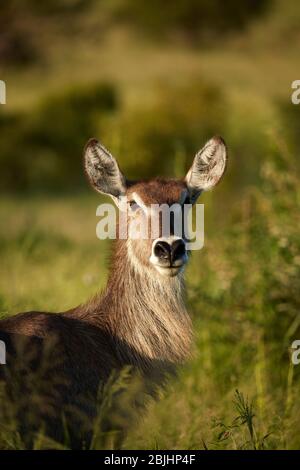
[103,171]
[208,167]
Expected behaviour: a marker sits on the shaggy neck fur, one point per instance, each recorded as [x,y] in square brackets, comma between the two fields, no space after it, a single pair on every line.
[145,311]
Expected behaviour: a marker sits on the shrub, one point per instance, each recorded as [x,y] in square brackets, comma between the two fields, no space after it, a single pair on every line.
[20,21]
[196,19]
[43,149]
[161,138]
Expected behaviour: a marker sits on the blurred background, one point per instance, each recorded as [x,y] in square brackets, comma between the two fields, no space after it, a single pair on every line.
[153,81]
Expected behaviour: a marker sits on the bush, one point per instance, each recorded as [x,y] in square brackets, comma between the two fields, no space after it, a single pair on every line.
[20,26]
[161,138]
[44,149]
[196,19]
[259,304]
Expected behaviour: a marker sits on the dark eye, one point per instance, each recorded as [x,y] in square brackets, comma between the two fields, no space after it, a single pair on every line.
[133,205]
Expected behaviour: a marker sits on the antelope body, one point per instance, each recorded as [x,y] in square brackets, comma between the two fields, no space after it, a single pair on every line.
[139,320]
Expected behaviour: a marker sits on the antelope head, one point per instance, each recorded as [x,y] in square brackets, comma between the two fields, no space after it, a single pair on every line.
[161,251]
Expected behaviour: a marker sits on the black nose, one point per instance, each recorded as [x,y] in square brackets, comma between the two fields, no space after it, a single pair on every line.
[177,250]
[174,252]
[162,250]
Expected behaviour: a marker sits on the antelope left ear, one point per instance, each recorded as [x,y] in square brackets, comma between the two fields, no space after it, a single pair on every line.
[103,170]
[208,167]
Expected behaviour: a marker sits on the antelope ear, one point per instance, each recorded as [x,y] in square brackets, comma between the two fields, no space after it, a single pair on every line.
[208,167]
[103,171]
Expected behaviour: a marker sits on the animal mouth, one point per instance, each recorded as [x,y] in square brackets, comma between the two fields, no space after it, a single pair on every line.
[170,270]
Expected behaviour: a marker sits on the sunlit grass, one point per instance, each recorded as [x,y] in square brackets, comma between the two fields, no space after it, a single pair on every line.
[50,256]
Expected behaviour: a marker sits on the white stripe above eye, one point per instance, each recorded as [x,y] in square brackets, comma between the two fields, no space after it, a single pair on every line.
[147,209]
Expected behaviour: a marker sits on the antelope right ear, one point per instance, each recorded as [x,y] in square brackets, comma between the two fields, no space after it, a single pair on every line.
[208,167]
[103,171]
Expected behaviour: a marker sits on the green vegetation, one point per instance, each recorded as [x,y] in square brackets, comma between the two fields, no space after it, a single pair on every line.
[51,139]
[153,104]
[196,20]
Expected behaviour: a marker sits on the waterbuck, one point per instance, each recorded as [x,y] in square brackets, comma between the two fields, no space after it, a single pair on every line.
[139,320]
